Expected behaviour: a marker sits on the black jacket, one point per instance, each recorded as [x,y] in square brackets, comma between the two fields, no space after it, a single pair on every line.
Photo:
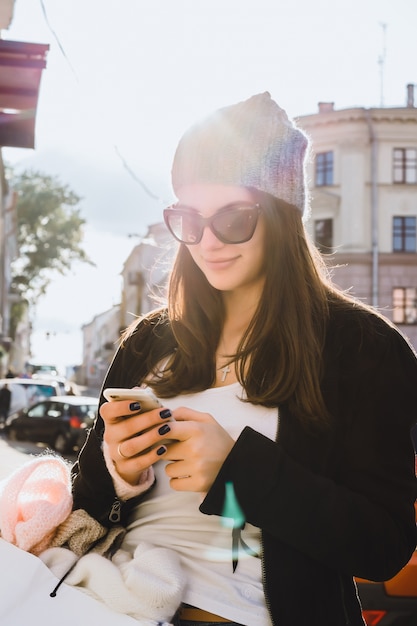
[332,503]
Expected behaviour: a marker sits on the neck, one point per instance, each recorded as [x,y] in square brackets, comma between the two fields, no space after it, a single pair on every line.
[238,315]
[242,303]
[226,372]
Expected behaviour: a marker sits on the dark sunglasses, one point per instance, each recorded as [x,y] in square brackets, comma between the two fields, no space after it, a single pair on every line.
[234,223]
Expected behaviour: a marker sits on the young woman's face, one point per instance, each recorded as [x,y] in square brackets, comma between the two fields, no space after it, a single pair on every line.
[228,267]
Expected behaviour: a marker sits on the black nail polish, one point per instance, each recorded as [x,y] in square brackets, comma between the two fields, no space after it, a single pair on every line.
[165,413]
[161,450]
[164,429]
[134,406]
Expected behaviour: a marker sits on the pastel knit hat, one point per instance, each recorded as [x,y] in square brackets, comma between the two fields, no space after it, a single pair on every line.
[252,144]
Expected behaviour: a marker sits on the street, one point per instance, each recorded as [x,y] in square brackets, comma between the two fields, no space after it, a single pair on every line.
[13,454]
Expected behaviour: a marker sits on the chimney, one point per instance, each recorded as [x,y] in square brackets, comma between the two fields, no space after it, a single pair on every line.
[326,107]
[410,95]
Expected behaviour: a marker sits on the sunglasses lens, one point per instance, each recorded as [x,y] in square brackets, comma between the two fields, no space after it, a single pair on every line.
[236,226]
[185,227]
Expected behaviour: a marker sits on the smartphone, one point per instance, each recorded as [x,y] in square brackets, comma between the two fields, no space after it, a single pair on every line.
[145,397]
[147,401]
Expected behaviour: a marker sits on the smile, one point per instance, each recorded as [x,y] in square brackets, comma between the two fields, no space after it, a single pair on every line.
[220,263]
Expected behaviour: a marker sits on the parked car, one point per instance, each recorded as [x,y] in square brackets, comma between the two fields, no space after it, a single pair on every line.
[67,387]
[26,391]
[61,422]
[42,369]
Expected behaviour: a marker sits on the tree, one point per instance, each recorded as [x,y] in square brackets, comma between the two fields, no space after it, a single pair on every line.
[49,233]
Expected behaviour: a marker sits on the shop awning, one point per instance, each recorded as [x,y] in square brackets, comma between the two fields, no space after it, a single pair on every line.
[21,66]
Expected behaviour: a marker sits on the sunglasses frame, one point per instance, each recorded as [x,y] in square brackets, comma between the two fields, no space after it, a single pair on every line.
[208,221]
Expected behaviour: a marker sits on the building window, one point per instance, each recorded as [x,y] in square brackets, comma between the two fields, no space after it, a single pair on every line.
[323,235]
[404,234]
[324,169]
[405,166]
[405,305]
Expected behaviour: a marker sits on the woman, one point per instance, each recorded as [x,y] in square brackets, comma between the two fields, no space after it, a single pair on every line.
[291,403]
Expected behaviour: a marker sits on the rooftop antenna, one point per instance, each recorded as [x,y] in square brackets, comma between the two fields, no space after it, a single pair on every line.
[381,62]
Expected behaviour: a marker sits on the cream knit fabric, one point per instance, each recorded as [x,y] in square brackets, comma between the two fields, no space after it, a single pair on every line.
[35,515]
[148,586]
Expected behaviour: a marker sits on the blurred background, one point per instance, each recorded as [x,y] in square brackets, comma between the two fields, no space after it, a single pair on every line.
[114,86]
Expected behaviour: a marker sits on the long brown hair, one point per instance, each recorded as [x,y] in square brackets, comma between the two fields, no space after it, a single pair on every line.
[280,355]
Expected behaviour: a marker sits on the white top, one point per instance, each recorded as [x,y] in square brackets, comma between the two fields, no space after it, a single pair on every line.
[171,519]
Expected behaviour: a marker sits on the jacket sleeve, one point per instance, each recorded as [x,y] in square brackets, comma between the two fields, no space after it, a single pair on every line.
[355,511]
[93,488]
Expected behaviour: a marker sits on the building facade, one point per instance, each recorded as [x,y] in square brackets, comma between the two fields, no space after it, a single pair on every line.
[21,68]
[145,273]
[363,186]
[144,277]
[100,338]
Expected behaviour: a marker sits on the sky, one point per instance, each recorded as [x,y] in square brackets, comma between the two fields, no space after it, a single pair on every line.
[125,79]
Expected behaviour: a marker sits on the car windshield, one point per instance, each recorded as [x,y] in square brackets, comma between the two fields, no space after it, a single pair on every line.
[38,392]
[41,370]
[24,395]
[89,409]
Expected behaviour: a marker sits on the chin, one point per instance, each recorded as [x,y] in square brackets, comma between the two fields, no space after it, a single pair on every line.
[221,284]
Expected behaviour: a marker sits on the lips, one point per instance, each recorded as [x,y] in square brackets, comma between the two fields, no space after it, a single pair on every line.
[218,264]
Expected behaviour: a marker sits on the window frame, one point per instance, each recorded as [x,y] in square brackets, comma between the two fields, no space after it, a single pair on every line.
[404,305]
[404,166]
[404,234]
[324,168]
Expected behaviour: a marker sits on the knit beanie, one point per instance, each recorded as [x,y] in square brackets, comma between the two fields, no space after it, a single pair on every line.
[252,144]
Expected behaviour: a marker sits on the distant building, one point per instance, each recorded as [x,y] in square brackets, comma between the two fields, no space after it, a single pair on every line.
[100,339]
[145,273]
[363,184]
[21,67]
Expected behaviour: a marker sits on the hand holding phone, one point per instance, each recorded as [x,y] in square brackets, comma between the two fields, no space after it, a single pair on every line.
[145,397]
[147,401]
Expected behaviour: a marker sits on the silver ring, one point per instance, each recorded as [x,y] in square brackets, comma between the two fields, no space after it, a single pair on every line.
[120,453]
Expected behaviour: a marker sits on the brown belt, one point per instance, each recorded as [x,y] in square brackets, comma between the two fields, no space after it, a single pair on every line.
[193,614]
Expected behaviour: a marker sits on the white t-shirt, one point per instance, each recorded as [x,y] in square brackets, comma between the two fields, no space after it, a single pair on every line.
[171,519]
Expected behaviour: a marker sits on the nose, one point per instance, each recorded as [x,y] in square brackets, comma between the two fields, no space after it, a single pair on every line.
[209,240]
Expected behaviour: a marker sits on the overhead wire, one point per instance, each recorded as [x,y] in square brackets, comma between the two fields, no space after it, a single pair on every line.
[126,166]
[55,36]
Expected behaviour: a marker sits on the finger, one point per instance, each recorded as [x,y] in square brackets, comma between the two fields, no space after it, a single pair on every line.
[178,469]
[130,469]
[141,443]
[183,483]
[131,414]
[183,413]
[143,458]
[181,477]
[114,411]
[124,428]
